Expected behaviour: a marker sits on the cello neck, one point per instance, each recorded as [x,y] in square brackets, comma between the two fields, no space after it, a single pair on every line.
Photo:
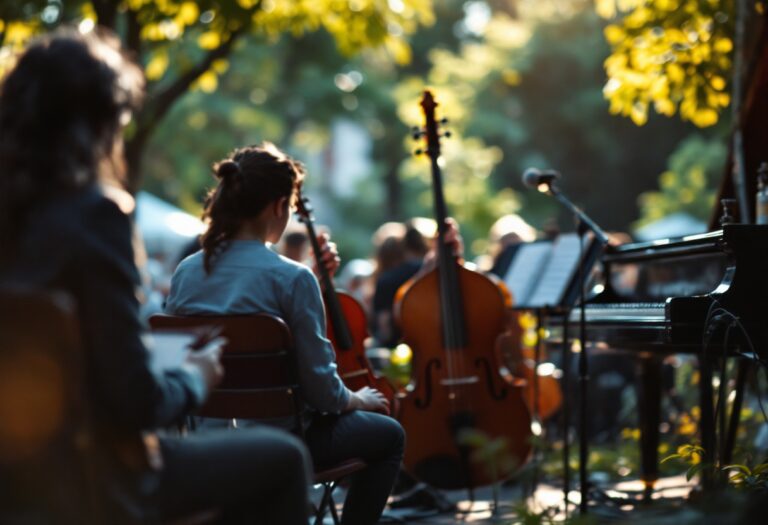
[454,333]
[332,305]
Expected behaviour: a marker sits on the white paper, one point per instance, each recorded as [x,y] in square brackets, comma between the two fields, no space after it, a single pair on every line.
[558,272]
[167,349]
[525,271]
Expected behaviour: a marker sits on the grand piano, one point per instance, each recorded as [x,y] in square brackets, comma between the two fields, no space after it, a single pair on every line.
[664,296]
[689,295]
[673,296]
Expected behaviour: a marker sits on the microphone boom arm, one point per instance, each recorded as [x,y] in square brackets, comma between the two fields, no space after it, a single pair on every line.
[578,212]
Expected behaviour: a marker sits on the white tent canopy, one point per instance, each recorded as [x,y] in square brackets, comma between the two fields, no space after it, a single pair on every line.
[674,225]
[166,229]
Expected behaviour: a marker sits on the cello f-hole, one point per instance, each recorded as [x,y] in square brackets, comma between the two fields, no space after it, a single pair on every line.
[489,379]
[422,404]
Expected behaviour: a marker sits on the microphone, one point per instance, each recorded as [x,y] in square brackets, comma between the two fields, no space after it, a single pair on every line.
[538,179]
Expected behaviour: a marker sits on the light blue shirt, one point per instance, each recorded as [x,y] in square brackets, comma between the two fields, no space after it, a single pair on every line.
[250,278]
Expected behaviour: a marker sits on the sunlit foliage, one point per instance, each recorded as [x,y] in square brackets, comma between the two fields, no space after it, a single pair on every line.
[158,31]
[458,80]
[672,56]
[688,185]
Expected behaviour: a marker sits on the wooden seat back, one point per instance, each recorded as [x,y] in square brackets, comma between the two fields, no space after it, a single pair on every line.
[260,374]
[45,434]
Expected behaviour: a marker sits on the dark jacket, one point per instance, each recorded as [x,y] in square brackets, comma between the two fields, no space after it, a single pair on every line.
[81,243]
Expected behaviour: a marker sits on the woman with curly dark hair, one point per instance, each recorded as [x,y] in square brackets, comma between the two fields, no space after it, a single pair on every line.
[237,273]
[64,225]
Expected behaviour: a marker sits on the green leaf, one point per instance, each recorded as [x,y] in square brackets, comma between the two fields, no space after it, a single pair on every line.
[671,456]
[741,468]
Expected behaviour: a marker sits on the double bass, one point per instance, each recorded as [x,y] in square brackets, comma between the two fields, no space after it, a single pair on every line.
[347,324]
[452,318]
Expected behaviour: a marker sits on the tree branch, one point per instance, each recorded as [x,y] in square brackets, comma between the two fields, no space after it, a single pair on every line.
[106,12]
[133,33]
[159,104]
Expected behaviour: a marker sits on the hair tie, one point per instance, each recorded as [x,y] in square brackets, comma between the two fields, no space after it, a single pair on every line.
[227,169]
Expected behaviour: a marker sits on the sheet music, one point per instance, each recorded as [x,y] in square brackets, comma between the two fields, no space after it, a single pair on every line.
[558,272]
[167,349]
[525,271]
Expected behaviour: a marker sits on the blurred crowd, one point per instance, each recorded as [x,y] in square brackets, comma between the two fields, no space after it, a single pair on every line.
[397,254]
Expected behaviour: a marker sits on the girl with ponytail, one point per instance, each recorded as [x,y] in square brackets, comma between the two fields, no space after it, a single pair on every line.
[237,273]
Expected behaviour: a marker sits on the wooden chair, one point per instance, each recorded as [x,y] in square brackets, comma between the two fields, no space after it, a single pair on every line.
[45,436]
[49,452]
[260,382]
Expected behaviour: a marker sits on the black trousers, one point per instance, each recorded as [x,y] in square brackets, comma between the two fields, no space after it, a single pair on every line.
[254,475]
[377,439]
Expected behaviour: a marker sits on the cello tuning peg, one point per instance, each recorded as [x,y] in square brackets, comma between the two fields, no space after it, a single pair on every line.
[416,133]
[418,152]
[443,120]
[446,134]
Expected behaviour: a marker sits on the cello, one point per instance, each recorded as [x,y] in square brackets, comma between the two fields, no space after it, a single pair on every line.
[347,324]
[452,318]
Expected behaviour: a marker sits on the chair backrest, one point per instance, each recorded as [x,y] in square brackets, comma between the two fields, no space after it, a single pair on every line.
[260,373]
[45,436]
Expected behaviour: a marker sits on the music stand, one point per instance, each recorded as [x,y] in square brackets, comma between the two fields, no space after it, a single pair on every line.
[548,278]
[584,224]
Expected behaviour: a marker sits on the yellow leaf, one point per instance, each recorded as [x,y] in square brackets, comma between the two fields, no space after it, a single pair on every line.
[399,50]
[208,82]
[717,82]
[17,33]
[664,107]
[511,77]
[188,13]
[605,8]
[220,66]
[614,34]
[667,5]
[704,117]
[639,113]
[157,66]
[675,73]
[152,32]
[209,40]
[687,430]
[723,45]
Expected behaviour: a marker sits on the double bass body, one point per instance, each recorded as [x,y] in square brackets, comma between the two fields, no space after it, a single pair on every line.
[456,390]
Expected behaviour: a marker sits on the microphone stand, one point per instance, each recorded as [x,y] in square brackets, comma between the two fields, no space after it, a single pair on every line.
[583,224]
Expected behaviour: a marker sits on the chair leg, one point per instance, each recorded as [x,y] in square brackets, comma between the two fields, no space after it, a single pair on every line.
[332,505]
[321,508]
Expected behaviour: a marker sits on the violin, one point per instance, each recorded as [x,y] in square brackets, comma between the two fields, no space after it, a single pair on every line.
[451,317]
[347,324]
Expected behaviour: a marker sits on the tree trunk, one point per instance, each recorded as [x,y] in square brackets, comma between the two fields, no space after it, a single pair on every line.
[394,193]
[134,153]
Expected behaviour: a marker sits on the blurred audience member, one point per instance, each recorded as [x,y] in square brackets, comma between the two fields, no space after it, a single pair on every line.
[403,258]
[65,225]
[295,243]
[505,237]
